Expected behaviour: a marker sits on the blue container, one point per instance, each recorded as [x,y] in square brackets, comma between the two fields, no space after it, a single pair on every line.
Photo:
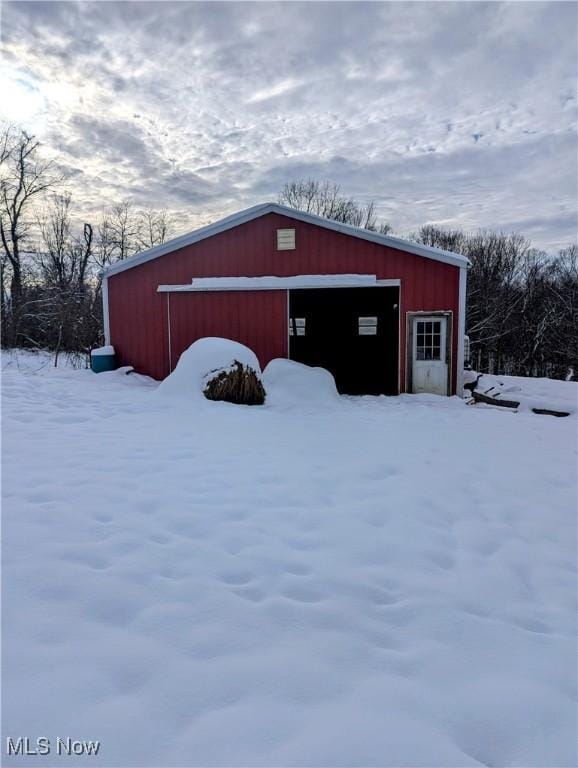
[103,359]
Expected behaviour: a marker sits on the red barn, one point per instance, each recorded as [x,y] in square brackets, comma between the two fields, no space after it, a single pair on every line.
[384,315]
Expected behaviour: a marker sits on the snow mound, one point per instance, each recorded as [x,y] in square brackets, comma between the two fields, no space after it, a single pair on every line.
[200,362]
[99,351]
[289,383]
[531,393]
[469,376]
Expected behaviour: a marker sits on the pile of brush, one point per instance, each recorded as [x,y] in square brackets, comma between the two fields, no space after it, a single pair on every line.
[238,383]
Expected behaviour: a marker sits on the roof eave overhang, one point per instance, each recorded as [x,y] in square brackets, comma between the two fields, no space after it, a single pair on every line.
[257,211]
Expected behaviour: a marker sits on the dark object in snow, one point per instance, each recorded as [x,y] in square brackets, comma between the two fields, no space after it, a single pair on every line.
[548,412]
[240,385]
[471,385]
[480,397]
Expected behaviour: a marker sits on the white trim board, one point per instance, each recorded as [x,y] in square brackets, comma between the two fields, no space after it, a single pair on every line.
[169,337]
[105,311]
[274,283]
[242,217]
[461,330]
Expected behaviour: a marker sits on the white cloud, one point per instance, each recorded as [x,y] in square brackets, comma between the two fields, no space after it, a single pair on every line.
[278,89]
[22,101]
[461,113]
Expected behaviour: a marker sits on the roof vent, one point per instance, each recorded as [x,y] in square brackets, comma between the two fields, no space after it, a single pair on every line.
[285,239]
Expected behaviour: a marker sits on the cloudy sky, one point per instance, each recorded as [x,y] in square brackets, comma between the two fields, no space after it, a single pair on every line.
[462,114]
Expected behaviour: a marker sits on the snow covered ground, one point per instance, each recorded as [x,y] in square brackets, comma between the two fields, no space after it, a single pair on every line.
[348,582]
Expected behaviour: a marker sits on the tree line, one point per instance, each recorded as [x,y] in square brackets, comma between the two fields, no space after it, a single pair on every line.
[522,305]
[50,269]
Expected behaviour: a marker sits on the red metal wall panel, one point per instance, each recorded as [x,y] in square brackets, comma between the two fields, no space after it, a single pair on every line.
[138,319]
[257,319]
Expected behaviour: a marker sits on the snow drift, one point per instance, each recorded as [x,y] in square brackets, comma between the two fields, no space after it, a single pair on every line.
[201,362]
[530,393]
[288,383]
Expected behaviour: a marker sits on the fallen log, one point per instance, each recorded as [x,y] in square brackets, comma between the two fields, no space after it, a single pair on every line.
[548,412]
[480,397]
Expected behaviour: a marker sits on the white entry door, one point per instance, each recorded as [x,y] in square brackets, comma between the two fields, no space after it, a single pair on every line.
[429,357]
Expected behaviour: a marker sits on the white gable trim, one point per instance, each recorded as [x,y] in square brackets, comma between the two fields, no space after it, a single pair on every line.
[261,210]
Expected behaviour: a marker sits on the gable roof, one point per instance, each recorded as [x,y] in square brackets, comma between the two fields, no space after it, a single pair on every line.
[242,217]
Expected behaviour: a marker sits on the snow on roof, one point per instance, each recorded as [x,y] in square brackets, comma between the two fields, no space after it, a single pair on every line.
[269,283]
[242,217]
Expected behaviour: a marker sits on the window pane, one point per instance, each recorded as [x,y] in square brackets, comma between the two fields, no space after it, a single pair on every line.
[428,339]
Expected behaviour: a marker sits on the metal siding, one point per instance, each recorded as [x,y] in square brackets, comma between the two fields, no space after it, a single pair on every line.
[237,315]
[138,312]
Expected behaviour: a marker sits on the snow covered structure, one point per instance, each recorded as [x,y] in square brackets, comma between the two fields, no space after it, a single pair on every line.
[383,315]
[207,360]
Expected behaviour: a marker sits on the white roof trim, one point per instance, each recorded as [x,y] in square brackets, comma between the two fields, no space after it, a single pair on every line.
[274,283]
[261,210]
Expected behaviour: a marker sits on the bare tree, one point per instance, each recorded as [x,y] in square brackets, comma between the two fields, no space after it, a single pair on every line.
[124,230]
[103,252]
[155,227]
[563,341]
[123,225]
[5,149]
[24,178]
[65,258]
[325,199]
[522,306]
[64,305]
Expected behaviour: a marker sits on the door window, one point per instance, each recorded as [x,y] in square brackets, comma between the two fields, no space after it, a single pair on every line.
[428,340]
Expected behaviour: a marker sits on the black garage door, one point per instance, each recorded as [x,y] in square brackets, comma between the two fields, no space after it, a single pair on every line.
[353,332]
